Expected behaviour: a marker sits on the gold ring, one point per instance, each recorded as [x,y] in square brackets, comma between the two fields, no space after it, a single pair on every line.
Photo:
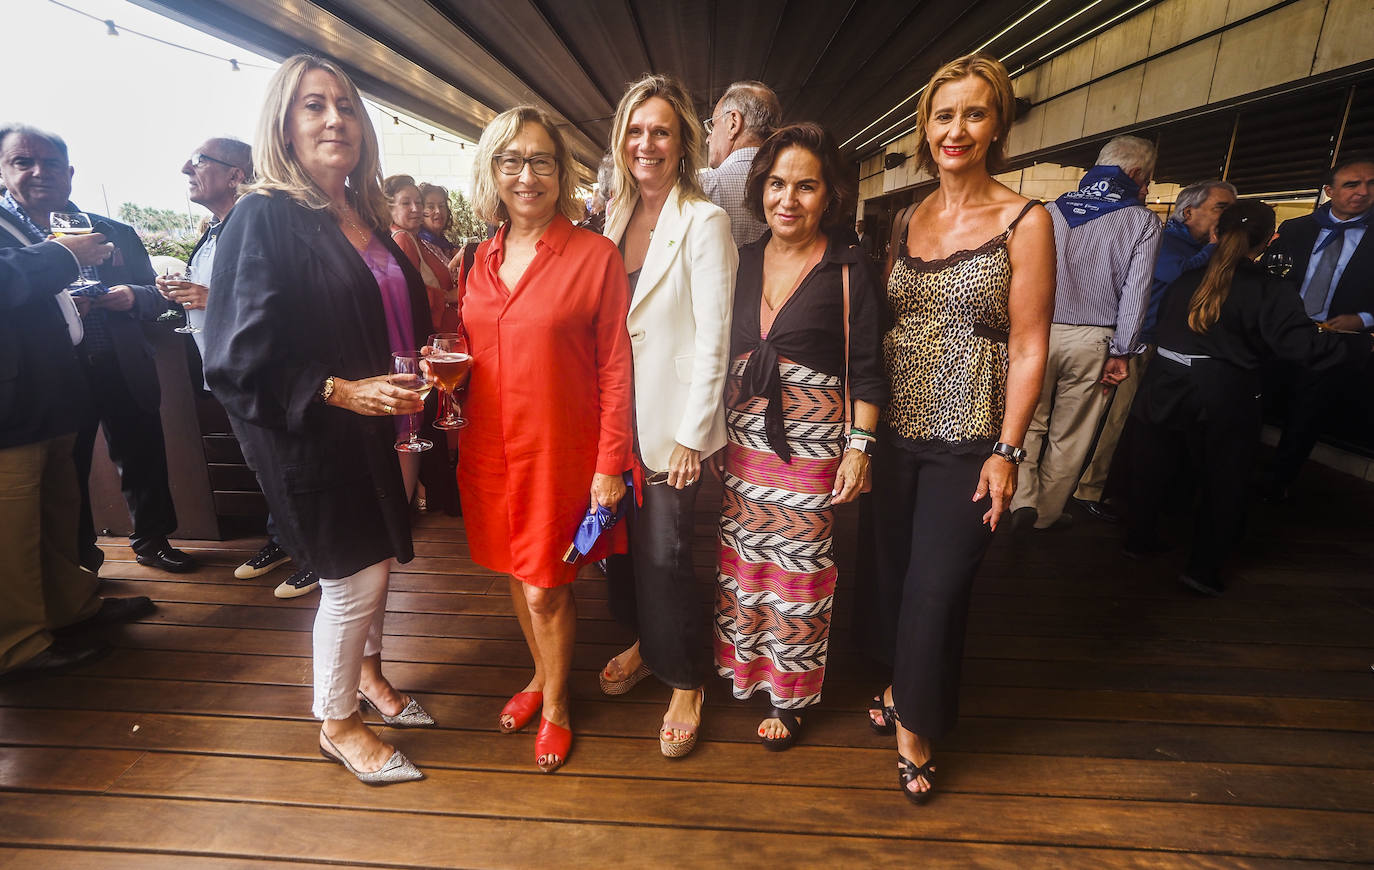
[390,409]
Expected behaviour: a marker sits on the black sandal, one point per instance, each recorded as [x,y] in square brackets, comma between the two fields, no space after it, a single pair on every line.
[888,713]
[908,772]
[789,721]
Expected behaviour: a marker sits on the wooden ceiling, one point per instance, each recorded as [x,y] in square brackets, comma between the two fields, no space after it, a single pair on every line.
[851,65]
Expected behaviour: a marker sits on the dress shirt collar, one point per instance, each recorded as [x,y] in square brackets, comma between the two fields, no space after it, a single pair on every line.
[35,232]
[555,238]
[739,155]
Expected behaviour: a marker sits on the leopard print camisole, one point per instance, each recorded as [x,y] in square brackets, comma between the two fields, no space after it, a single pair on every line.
[946,351]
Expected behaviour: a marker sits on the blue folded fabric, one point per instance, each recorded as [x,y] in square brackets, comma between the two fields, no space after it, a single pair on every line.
[598,519]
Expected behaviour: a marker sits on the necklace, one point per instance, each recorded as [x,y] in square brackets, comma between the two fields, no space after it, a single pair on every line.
[347,212]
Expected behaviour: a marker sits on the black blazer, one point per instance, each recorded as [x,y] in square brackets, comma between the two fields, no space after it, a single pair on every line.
[1261,320]
[130,265]
[1354,293]
[42,387]
[291,304]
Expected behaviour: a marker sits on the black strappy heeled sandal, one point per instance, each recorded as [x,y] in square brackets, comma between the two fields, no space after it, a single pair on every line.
[789,721]
[887,712]
[908,772]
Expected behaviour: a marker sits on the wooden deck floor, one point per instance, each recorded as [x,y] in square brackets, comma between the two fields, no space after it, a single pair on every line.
[1110,719]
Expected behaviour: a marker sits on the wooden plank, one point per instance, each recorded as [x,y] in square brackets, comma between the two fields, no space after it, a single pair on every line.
[800,810]
[1179,652]
[63,769]
[275,668]
[1322,752]
[71,859]
[725,762]
[316,834]
[642,713]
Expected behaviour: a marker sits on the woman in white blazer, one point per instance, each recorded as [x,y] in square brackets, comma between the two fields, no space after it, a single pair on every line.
[681,261]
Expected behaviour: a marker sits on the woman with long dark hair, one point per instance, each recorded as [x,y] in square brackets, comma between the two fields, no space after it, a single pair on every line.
[1199,404]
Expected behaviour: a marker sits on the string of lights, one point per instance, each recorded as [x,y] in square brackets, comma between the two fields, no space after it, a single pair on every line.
[116,30]
[397,120]
[235,65]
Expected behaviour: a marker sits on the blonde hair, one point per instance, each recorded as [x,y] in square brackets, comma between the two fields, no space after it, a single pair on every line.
[990,70]
[278,170]
[690,130]
[486,192]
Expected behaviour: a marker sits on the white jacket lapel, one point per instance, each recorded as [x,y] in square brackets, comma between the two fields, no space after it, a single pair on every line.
[669,232]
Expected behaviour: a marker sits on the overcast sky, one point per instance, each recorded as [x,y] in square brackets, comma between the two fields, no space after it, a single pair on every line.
[130,109]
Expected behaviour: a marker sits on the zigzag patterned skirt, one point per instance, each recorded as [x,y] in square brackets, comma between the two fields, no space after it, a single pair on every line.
[776,572]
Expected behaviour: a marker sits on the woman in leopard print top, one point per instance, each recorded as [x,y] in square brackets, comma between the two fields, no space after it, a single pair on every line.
[970,299]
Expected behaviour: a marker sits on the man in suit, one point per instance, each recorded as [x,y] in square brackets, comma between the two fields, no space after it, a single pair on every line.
[865,240]
[115,355]
[745,115]
[1333,263]
[43,393]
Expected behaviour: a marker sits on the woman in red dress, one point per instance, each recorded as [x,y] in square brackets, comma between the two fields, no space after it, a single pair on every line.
[549,398]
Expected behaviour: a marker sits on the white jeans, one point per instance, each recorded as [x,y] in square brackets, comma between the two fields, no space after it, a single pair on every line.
[348,626]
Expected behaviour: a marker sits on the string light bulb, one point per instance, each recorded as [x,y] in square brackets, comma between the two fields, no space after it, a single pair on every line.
[233,64]
[110,29]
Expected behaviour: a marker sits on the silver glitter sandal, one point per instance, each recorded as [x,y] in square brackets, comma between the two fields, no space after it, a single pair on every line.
[412,716]
[398,768]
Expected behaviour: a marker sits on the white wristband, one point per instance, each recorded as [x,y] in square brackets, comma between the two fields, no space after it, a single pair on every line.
[859,444]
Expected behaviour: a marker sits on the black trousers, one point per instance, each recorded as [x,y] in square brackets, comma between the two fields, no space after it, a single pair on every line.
[1218,450]
[134,438]
[653,589]
[1314,397]
[922,539]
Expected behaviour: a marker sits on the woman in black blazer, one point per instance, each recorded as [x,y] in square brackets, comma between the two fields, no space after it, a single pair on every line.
[1200,398]
[312,298]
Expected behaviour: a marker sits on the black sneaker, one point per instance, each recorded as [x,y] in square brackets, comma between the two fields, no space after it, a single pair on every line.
[266,559]
[303,582]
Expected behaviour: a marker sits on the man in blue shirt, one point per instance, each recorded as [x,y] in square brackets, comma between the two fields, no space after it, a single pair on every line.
[1186,244]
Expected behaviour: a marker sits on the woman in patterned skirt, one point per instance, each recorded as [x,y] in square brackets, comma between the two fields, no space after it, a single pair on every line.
[970,297]
[806,315]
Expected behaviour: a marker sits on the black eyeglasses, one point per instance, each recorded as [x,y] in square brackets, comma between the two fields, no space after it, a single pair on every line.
[514,164]
[199,160]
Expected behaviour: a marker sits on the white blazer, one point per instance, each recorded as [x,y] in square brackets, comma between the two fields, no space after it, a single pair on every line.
[679,325]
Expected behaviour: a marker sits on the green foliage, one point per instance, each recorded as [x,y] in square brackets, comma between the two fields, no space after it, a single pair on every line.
[163,245]
[465,223]
[149,221]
